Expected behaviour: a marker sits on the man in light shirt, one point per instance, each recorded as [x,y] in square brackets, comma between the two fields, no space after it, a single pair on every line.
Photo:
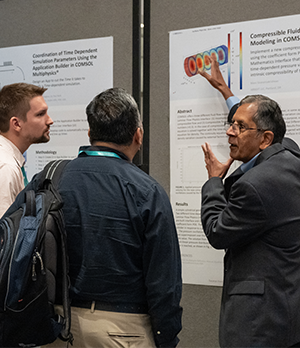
[24,120]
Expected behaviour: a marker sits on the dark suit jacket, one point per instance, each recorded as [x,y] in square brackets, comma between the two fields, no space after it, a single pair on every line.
[258,224]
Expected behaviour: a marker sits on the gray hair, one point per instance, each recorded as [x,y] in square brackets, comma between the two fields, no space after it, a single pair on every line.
[268,115]
[113,116]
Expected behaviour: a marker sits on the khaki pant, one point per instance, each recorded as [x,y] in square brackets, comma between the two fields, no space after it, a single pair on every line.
[103,329]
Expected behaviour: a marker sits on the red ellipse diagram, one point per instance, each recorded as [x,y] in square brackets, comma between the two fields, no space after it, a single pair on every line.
[201,60]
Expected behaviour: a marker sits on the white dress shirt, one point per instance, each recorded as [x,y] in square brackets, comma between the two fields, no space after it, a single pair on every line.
[11,177]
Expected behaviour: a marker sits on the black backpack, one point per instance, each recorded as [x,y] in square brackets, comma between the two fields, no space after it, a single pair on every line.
[34,268]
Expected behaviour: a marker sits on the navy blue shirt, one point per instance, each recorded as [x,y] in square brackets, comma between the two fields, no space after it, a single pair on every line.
[122,240]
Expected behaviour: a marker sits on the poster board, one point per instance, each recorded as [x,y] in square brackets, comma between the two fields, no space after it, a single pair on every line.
[255,57]
[73,72]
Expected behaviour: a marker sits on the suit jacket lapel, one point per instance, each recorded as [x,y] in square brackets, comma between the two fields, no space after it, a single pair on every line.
[231,180]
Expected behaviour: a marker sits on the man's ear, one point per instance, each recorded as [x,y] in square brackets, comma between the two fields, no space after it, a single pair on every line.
[139,135]
[267,140]
[14,124]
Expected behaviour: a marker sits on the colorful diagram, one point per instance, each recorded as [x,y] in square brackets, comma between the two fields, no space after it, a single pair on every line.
[201,60]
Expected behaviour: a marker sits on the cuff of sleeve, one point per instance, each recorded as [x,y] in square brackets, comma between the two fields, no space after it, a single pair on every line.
[232,101]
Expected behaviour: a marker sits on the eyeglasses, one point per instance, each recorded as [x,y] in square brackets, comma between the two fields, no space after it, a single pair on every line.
[238,128]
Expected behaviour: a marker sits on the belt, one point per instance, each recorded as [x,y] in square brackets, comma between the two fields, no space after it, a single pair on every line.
[111,307]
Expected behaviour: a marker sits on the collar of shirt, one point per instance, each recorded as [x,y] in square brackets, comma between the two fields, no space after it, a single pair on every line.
[13,150]
[248,165]
[102,148]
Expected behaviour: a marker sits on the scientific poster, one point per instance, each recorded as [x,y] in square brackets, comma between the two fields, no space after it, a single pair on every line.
[255,57]
[74,72]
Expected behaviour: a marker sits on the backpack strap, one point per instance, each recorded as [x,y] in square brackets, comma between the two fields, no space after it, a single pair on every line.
[52,173]
[50,177]
[30,205]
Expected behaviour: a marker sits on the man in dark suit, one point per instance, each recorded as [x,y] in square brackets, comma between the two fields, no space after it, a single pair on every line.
[255,216]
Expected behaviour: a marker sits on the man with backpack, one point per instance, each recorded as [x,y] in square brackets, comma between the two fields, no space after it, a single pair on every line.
[124,257]
[24,120]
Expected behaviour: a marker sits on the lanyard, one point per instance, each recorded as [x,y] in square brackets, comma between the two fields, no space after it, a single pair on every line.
[99,153]
[24,176]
